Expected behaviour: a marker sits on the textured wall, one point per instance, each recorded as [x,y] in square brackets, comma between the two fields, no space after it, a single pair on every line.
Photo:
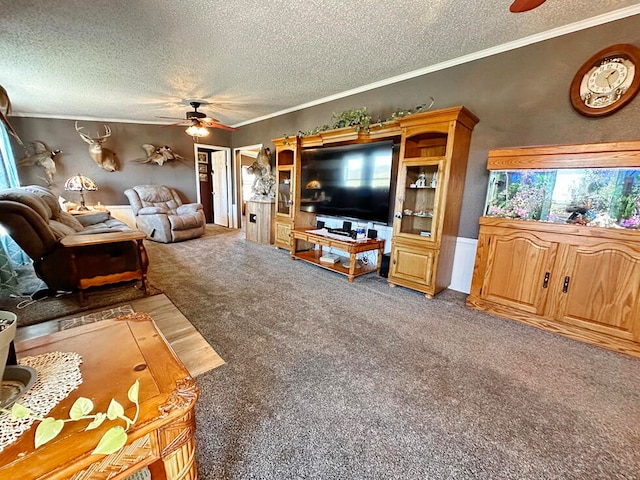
[126,141]
[521,98]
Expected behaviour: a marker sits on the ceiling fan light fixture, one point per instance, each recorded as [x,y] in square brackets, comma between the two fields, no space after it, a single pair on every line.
[196,130]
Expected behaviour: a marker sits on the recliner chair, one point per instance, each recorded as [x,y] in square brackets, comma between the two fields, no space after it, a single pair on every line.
[33,218]
[160,213]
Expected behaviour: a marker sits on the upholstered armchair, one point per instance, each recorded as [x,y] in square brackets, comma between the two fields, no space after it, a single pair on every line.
[33,218]
[160,213]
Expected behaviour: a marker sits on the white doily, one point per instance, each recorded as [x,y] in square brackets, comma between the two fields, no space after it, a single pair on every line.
[58,375]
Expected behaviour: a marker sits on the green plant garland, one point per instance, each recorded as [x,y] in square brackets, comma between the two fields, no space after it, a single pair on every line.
[360,119]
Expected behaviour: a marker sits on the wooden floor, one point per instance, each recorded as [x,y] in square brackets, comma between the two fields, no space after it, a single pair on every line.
[194,351]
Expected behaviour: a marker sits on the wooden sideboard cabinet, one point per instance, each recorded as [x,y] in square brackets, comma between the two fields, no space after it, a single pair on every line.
[583,282]
[580,275]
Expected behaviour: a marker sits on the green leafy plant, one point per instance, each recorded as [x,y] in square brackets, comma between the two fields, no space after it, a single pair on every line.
[359,119]
[112,440]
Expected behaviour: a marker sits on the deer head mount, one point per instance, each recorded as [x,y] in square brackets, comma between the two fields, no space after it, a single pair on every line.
[103,157]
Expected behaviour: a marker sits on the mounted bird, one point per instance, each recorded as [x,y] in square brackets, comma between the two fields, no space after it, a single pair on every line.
[160,155]
[39,154]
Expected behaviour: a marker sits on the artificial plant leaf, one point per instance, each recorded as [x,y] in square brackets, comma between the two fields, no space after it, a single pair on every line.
[133,391]
[20,411]
[115,410]
[112,441]
[48,429]
[100,417]
[81,407]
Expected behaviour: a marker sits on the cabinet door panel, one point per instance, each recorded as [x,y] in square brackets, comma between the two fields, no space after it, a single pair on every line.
[602,289]
[283,232]
[413,265]
[518,272]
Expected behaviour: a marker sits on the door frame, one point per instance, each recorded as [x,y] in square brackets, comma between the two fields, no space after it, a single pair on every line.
[230,184]
[237,167]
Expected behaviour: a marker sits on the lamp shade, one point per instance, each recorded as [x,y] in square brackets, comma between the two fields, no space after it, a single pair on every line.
[313,185]
[79,182]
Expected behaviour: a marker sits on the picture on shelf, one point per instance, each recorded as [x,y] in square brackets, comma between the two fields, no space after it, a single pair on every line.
[202,157]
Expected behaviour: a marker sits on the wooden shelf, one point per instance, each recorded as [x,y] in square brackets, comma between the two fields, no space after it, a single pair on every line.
[353,248]
[313,256]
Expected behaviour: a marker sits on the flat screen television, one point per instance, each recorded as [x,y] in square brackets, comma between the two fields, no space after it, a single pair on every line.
[350,181]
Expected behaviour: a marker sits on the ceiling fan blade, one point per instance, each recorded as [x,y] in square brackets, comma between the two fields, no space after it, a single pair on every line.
[519,6]
[219,125]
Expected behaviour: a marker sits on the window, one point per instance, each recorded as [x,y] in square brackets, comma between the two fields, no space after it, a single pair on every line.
[354,173]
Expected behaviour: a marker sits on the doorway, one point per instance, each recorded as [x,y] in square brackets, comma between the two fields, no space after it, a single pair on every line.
[214,184]
[243,157]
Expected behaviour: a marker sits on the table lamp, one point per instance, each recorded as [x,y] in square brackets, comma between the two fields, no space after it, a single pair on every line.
[80,183]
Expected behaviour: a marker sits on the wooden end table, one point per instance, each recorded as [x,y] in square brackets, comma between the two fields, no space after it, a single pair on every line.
[114,353]
[77,242]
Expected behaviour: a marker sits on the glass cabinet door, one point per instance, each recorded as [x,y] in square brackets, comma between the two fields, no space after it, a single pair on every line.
[418,215]
[284,191]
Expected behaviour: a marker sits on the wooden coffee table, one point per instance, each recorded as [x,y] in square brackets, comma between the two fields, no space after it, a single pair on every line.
[352,248]
[77,242]
[114,354]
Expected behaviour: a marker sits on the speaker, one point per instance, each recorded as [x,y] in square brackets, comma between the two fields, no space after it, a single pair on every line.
[346,226]
[384,266]
[371,233]
[319,224]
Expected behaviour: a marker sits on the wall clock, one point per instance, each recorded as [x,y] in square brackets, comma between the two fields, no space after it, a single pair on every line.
[607,81]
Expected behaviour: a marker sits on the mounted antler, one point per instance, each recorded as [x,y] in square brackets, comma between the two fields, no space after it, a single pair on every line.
[104,157]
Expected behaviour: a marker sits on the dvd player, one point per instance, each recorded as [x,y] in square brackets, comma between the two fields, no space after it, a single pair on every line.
[339,231]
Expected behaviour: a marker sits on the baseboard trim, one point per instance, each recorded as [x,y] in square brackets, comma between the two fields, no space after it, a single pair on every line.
[463,262]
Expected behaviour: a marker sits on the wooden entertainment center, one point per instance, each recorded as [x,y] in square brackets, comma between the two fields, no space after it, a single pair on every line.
[430,175]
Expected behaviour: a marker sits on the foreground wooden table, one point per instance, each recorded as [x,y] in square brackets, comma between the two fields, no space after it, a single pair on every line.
[115,353]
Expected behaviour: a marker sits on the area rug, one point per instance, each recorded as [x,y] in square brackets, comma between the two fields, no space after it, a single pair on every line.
[95,317]
[31,311]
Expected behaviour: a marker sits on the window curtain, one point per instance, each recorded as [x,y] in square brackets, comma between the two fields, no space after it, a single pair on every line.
[11,255]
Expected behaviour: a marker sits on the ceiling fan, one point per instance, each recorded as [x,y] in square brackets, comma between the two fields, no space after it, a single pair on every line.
[198,122]
[519,6]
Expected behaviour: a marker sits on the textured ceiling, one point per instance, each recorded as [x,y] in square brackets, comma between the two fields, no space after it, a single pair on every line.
[137,60]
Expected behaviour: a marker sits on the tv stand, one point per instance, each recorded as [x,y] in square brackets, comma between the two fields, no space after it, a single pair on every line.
[351,247]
